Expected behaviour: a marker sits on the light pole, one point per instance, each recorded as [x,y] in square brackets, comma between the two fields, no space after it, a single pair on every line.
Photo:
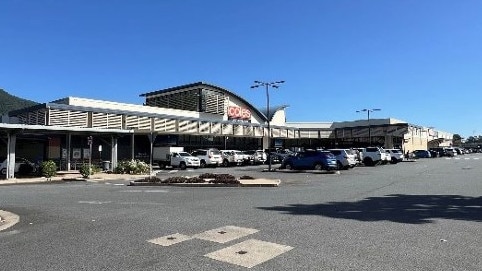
[368,118]
[267,85]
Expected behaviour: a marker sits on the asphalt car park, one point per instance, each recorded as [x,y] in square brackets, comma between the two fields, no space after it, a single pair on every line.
[421,215]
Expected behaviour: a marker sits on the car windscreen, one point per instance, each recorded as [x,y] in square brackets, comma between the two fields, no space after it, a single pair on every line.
[327,154]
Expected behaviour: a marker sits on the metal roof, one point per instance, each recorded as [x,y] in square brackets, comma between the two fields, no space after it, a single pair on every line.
[203,84]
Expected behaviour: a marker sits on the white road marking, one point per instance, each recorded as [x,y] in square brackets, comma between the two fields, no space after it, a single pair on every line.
[94,202]
[169,240]
[249,253]
[145,191]
[225,234]
[7,233]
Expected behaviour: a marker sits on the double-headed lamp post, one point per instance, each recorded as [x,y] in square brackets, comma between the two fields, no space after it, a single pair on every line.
[267,85]
[368,118]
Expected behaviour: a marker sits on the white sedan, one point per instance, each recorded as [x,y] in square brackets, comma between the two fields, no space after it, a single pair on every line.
[22,166]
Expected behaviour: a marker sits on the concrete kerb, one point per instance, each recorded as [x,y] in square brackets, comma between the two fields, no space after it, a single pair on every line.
[8,219]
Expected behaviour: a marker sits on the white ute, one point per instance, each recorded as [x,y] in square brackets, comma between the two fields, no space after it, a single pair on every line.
[174,157]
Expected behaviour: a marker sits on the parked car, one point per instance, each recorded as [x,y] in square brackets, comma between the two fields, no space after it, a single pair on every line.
[459,151]
[386,157]
[278,155]
[396,155]
[451,152]
[434,153]
[439,150]
[372,156]
[345,159]
[232,157]
[208,157]
[422,154]
[259,156]
[318,160]
[22,166]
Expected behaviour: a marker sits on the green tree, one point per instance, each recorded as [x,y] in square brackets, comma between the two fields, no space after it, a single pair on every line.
[457,140]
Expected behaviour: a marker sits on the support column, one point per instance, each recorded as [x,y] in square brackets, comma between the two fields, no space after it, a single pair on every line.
[11,142]
[132,146]
[69,147]
[113,157]
[265,142]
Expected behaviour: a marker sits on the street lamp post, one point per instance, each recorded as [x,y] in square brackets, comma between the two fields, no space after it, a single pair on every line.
[267,85]
[368,118]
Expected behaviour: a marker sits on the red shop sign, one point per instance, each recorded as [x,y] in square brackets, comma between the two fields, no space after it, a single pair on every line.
[236,112]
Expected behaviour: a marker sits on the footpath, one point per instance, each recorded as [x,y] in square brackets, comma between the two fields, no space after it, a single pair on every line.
[63,176]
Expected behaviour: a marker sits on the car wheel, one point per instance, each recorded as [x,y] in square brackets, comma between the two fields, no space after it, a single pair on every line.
[394,160]
[368,162]
[339,165]
[318,166]
[202,164]
[289,166]
[225,163]
[182,166]
[4,171]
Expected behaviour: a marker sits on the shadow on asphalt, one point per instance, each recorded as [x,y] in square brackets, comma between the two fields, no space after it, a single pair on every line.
[410,209]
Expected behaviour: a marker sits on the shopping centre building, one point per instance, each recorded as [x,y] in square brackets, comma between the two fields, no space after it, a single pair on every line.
[199,115]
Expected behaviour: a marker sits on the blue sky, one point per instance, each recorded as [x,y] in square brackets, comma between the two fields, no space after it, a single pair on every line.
[418,61]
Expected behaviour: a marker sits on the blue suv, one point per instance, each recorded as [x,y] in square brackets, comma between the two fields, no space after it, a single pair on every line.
[319,160]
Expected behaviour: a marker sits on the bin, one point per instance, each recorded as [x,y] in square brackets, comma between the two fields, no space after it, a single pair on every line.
[105,165]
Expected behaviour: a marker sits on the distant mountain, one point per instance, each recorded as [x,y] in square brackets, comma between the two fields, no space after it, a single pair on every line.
[9,102]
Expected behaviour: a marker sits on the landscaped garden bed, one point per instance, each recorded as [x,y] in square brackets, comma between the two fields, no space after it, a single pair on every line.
[205,179]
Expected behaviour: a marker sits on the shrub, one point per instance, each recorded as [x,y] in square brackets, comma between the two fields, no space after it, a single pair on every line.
[49,169]
[225,178]
[208,176]
[195,180]
[152,179]
[86,170]
[132,167]
[245,177]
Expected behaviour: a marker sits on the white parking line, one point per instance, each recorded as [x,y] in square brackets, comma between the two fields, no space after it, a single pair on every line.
[94,202]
